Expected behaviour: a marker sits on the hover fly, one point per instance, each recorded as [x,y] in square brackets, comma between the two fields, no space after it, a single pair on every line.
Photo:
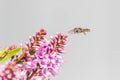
[79,30]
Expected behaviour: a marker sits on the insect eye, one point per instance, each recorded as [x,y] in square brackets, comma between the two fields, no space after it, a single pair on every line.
[76,30]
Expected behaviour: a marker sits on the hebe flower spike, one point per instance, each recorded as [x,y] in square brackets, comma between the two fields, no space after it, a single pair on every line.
[39,59]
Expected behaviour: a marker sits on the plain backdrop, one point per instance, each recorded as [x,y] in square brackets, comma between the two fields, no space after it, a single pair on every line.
[95,56]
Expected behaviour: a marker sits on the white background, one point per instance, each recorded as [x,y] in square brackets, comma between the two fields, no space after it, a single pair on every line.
[95,56]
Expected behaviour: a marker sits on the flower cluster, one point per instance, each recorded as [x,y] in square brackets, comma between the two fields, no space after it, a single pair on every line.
[10,72]
[40,58]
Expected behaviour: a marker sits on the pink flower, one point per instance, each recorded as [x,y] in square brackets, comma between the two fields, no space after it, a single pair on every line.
[40,58]
[10,72]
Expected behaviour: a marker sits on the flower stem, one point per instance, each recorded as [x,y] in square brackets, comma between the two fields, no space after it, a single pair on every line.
[30,76]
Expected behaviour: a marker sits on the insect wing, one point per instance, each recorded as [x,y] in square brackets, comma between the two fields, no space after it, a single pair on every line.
[71,31]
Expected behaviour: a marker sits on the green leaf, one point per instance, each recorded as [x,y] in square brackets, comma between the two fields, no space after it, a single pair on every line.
[31,52]
[10,54]
[20,62]
[3,51]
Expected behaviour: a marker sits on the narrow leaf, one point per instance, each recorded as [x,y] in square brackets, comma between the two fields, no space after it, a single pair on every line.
[3,51]
[10,54]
